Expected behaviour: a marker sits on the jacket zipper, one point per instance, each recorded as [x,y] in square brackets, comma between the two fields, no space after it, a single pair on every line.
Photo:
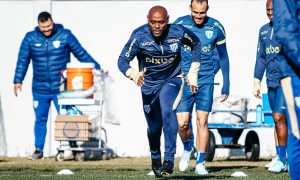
[162,50]
[47,41]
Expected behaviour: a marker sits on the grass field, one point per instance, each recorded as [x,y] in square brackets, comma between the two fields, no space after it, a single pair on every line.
[127,168]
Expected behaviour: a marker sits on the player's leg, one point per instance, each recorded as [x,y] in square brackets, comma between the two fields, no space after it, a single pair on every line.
[184,126]
[291,91]
[272,100]
[279,110]
[169,97]
[154,121]
[204,99]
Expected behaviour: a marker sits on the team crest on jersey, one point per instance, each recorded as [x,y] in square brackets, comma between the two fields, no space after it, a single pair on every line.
[174,47]
[147,108]
[56,43]
[209,34]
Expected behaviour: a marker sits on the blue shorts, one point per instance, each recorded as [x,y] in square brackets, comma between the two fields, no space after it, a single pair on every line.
[276,100]
[203,98]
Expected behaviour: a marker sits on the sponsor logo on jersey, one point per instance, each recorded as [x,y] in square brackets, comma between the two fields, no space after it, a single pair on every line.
[206,48]
[209,34]
[209,27]
[174,47]
[56,43]
[160,60]
[219,26]
[147,43]
[188,37]
[273,50]
[264,32]
[187,48]
[130,48]
[173,40]
[188,26]
[180,22]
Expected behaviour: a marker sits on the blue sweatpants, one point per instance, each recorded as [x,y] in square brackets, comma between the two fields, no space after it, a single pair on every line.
[160,113]
[291,90]
[41,105]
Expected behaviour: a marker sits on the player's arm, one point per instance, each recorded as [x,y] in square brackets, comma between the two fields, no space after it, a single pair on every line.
[191,40]
[128,53]
[259,69]
[224,61]
[224,64]
[287,29]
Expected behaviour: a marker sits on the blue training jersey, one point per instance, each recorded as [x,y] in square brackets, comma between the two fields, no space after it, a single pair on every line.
[287,25]
[160,56]
[268,56]
[211,34]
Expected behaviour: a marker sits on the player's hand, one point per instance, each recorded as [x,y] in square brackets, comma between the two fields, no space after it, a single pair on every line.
[135,76]
[140,78]
[223,97]
[256,88]
[193,88]
[17,87]
[192,76]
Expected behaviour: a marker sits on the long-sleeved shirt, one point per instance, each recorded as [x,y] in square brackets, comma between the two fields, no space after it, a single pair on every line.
[213,42]
[160,56]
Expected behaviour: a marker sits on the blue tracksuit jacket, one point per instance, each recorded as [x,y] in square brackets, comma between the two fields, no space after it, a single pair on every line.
[160,56]
[49,56]
[267,57]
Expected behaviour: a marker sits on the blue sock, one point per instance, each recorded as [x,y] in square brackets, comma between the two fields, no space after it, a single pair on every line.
[187,145]
[282,153]
[277,150]
[169,158]
[200,157]
[155,156]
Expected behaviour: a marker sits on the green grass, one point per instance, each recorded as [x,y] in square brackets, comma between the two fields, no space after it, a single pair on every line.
[126,168]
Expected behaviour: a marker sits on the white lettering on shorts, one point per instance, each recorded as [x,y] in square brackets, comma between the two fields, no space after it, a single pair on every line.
[35,104]
[297,101]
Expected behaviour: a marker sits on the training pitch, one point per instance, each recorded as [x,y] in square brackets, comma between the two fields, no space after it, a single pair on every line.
[128,168]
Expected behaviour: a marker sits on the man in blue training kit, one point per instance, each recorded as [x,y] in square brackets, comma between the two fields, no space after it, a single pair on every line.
[212,36]
[48,47]
[157,48]
[287,31]
[267,59]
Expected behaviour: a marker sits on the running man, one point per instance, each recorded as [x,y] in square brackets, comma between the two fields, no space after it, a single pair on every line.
[157,48]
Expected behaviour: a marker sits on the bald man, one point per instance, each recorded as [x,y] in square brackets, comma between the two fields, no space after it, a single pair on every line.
[157,47]
[268,59]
